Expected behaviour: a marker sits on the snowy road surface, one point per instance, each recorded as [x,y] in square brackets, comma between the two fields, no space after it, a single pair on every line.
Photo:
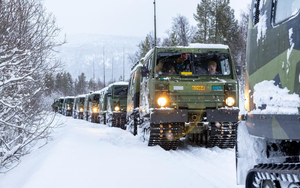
[87,155]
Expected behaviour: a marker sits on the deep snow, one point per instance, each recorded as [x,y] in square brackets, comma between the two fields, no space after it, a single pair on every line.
[84,154]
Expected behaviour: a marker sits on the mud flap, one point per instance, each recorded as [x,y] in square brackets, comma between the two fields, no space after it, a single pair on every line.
[119,119]
[168,116]
[222,115]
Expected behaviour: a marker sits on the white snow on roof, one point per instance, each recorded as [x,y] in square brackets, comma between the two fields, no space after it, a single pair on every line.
[213,46]
[118,83]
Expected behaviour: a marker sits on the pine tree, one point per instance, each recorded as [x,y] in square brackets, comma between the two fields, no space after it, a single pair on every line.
[203,16]
[217,24]
[171,40]
[92,85]
[59,82]
[80,84]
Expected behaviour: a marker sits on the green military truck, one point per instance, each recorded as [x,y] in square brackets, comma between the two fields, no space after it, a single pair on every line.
[91,109]
[272,103]
[59,104]
[67,105]
[78,107]
[185,91]
[113,104]
[55,105]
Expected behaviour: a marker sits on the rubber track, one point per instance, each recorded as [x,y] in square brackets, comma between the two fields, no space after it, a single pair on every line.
[223,138]
[165,135]
[287,172]
[119,122]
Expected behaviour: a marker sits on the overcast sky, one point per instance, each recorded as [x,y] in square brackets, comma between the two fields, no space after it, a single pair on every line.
[124,17]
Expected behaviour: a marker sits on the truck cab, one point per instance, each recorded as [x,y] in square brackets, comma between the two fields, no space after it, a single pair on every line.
[188,91]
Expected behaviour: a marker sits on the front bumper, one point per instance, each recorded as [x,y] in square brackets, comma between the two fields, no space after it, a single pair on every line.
[168,115]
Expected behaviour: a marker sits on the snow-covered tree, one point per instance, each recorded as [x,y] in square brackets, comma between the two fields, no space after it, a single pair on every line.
[27,44]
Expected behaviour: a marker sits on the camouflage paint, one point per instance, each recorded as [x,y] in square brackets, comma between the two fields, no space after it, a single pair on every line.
[273,56]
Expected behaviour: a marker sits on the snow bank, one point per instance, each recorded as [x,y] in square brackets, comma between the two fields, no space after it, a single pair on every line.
[84,154]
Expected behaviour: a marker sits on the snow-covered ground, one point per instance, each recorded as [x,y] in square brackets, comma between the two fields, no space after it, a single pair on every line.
[84,154]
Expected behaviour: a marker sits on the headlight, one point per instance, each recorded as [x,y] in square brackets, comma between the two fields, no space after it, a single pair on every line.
[117,108]
[81,109]
[229,101]
[68,107]
[162,101]
[95,109]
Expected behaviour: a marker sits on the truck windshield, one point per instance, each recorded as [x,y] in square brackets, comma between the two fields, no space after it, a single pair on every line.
[199,64]
[68,101]
[120,90]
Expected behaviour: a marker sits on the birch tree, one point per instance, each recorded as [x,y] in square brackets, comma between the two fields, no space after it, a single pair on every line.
[27,45]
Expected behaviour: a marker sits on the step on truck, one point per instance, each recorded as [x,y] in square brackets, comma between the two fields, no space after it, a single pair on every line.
[191,92]
[272,119]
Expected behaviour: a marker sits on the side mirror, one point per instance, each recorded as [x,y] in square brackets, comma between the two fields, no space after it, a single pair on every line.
[238,70]
[144,71]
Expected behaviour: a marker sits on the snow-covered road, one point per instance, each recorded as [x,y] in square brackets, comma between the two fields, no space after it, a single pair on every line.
[88,155]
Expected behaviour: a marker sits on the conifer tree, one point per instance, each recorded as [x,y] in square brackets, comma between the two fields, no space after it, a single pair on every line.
[80,84]
[217,24]
[203,16]
[92,85]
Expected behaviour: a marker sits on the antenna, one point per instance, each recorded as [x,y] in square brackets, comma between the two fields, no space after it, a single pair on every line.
[94,84]
[154,23]
[112,69]
[103,68]
[123,66]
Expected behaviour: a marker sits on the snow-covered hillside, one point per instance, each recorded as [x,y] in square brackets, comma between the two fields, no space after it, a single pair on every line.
[83,154]
[86,53]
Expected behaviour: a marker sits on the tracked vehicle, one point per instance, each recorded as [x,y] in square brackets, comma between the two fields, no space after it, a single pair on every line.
[172,94]
[113,104]
[272,96]
[91,107]
[67,105]
[78,107]
[60,104]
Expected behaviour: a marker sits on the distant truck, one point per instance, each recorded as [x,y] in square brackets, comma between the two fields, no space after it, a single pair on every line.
[78,107]
[185,91]
[91,107]
[67,105]
[113,104]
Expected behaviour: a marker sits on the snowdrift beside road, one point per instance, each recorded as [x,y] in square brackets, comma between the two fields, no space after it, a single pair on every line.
[84,154]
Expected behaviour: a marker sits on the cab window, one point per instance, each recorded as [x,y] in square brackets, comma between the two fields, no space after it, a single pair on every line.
[285,9]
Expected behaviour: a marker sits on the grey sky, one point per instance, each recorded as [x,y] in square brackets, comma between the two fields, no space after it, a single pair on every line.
[123,17]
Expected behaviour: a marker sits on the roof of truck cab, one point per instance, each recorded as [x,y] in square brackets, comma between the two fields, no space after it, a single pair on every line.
[198,46]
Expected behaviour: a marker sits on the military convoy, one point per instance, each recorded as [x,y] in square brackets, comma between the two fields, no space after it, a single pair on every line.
[272,119]
[173,93]
[193,92]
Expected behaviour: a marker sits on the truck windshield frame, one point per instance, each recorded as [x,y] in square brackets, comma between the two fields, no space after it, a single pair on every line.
[193,64]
